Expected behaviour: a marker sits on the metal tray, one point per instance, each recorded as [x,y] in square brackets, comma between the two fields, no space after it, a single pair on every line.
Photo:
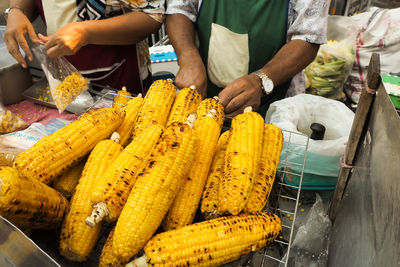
[39,94]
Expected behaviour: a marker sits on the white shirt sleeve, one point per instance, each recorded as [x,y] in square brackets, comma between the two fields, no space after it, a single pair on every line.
[189,8]
[308,20]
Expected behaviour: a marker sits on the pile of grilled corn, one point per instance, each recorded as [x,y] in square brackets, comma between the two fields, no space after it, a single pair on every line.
[145,163]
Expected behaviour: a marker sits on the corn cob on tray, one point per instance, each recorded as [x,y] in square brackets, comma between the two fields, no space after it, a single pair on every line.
[161,159]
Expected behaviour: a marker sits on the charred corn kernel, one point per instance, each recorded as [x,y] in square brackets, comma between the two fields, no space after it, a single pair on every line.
[156,106]
[184,208]
[186,102]
[9,122]
[66,183]
[107,258]
[121,98]
[112,189]
[211,243]
[78,239]
[271,151]
[209,203]
[211,103]
[28,203]
[54,154]
[242,157]
[131,111]
[154,190]
[72,86]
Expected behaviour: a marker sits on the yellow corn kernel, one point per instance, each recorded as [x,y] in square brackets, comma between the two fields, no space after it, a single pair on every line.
[156,106]
[9,122]
[107,258]
[271,151]
[72,86]
[184,208]
[209,203]
[66,183]
[78,239]
[186,102]
[28,203]
[241,161]
[54,154]
[154,190]
[121,98]
[208,104]
[112,189]
[211,243]
[131,111]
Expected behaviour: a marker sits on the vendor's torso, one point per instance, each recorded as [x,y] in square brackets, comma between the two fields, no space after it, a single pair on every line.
[238,37]
[113,65]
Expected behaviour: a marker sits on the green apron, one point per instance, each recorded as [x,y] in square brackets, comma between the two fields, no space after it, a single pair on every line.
[263,21]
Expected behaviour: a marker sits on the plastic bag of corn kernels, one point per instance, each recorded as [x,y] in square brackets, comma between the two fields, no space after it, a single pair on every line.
[9,122]
[65,82]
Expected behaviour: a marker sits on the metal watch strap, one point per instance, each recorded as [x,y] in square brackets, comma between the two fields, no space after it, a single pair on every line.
[12,7]
[262,77]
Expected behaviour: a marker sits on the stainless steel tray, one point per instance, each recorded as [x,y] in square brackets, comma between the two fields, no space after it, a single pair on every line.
[40,94]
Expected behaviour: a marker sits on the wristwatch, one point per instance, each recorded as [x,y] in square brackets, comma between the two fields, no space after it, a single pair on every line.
[266,83]
[10,8]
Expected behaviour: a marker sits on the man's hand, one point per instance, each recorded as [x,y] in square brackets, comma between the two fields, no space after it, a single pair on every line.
[242,92]
[18,25]
[192,72]
[67,40]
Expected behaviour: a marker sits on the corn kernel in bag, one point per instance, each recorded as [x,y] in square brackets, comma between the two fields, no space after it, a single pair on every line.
[65,82]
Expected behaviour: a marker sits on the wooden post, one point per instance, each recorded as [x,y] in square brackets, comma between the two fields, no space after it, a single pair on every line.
[363,108]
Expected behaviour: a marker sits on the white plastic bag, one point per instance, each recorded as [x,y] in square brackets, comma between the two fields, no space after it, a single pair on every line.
[379,33]
[296,114]
[326,75]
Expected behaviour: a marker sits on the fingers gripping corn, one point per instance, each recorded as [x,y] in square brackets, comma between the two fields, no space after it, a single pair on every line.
[28,203]
[211,243]
[209,202]
[154,190]
[242,157]
[271,151]
[78,239]
[53,154]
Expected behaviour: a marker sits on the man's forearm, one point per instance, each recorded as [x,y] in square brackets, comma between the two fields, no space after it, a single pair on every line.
[290,60]
[27,5]
[181,33]
[126,29]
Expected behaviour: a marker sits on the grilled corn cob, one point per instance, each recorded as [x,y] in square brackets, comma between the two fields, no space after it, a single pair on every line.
[186,102]
[211,243]
[156,106]
[53,154]
[184,208]
[107,258]
[121,98]
[131,111]
[66,183]
[112,189]
[155,189]
[209,203]
[242,157]
[28,203]
[271,151]
[211,103]
[77,239]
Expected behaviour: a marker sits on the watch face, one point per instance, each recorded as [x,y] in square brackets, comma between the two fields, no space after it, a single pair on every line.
[268,85]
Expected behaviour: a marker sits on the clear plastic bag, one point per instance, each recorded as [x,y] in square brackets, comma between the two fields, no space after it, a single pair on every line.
[65,82]
[9,122]
[327,73]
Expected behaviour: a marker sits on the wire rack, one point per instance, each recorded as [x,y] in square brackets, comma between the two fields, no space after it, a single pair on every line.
[283,200]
